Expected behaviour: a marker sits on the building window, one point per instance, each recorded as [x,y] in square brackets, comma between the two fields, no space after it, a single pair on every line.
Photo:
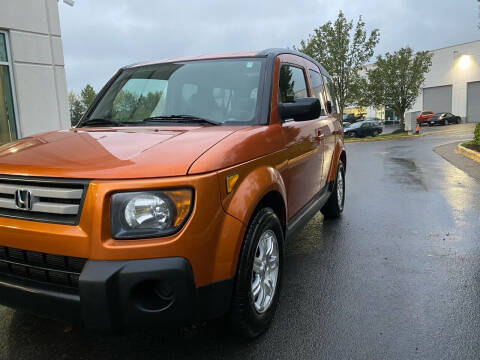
[8,128]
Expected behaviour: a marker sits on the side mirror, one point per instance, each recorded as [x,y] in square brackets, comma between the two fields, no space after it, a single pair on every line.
[301,110]
[329,106]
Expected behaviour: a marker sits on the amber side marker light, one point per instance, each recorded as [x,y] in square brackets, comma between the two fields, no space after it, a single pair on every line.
[231,181]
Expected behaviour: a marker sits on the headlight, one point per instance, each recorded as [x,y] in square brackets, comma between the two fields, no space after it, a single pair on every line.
[144,214]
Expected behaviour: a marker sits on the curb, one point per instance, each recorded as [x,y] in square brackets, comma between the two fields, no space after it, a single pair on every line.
[349,140]
[462,150]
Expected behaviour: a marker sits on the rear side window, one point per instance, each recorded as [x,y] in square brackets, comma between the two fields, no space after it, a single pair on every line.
[292,84]
[329,93]
[317,88]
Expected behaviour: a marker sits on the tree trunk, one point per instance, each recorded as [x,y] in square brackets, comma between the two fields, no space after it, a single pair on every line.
[402,121]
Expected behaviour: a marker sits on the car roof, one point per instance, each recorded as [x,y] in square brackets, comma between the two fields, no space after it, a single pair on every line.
[272,52]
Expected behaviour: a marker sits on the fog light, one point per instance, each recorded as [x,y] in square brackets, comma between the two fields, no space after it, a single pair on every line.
[164,290]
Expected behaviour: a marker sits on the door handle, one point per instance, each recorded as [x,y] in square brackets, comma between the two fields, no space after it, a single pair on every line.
[320,134]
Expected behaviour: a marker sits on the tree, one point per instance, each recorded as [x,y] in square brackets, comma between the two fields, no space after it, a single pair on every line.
[87,95]
[396,79]
[342,49]
[76,108]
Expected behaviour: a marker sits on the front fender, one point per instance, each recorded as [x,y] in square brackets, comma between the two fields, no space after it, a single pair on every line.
[253,184]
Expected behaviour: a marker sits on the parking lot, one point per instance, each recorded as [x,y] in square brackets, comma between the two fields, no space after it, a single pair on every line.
[396,277]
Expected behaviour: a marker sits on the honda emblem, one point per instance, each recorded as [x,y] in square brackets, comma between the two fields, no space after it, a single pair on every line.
[23,199]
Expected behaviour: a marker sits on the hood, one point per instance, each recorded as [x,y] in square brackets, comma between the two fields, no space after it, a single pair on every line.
[111,153]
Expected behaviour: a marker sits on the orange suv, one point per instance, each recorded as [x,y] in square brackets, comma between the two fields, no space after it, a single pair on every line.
[173,198]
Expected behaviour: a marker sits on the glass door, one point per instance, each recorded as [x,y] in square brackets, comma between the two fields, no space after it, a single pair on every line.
[8,129]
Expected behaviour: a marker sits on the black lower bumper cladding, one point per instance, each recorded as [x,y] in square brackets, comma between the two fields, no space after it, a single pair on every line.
[123,294]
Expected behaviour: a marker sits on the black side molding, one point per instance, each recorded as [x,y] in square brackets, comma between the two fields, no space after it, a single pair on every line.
[309,210]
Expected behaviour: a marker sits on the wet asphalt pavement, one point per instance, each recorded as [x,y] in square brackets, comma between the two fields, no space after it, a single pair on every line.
[397,277]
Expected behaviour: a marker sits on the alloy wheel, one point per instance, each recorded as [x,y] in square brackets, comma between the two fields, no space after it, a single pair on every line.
[340,188]
[265,271]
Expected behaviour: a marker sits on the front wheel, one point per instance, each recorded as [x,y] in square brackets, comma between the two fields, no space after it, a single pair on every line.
[259,275]
[445,122]
[334,206]
[375,133]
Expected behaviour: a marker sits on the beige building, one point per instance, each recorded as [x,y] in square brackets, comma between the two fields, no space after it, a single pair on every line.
[33,90]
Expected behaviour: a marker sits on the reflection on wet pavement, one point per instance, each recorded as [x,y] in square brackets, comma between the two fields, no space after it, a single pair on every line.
[405,171]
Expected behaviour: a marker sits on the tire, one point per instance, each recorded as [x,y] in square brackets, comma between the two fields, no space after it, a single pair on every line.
[375,133]
[334,206]
[445,122]
[246,316]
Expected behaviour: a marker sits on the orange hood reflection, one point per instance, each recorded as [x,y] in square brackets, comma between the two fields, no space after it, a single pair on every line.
[111,153]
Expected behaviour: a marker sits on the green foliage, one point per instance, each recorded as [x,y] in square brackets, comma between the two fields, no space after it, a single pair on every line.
[87,95]
[476,135]
[129,106]
[342,48]
[75,107]
[396,79]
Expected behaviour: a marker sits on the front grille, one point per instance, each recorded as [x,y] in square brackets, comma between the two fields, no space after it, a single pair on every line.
[46,200]
[41,267]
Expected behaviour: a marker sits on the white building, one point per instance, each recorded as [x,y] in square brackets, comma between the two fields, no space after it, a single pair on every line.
[452,84]
[33,90]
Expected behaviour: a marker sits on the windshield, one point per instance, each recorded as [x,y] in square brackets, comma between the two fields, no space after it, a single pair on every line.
[223,91]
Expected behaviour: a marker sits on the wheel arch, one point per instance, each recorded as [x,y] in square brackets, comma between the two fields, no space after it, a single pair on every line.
[338,154]
[257,187]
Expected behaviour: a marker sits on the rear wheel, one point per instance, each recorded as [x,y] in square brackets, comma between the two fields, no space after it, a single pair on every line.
[445,122]
[259,275]
[375,133]
[334,206]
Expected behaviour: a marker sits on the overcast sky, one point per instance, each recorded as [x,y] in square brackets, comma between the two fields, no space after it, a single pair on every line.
[100,36]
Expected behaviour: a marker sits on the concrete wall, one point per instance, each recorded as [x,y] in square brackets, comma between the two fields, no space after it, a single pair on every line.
[447,70]
[38,65]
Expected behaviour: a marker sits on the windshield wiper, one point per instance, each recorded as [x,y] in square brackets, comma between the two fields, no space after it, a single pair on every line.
[99,122]
[180,118]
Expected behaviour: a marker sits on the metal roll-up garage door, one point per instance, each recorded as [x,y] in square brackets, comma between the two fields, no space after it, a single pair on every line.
[473,101]
[438,99]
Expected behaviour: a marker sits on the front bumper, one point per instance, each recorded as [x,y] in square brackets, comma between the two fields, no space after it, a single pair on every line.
[123,294]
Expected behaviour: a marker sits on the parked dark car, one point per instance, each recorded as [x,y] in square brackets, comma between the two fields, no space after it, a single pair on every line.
[352,118]
[349,118]
[362,129]
[375,119]
[444,118]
